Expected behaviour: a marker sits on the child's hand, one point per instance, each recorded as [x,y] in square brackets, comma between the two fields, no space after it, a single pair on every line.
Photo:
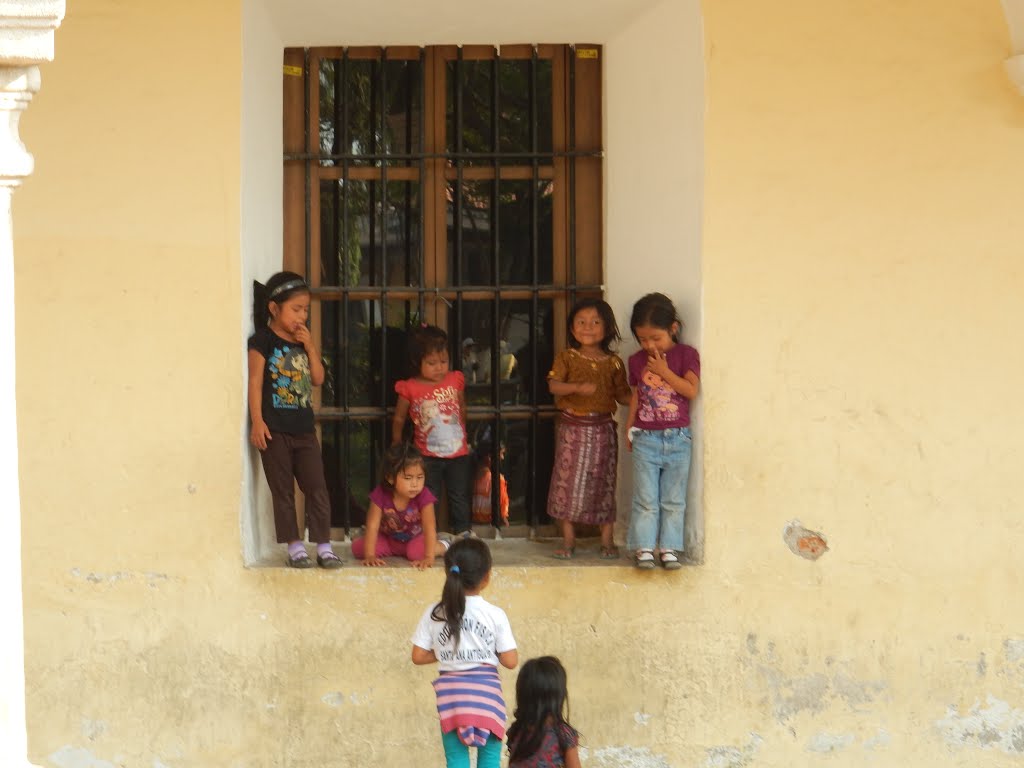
[629,437]
[658,363]
[586,388]
[302,335]
[260,436]
[374,562]
[426,562]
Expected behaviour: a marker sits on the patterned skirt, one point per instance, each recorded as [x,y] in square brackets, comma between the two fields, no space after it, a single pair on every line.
[583,478]
[470,702]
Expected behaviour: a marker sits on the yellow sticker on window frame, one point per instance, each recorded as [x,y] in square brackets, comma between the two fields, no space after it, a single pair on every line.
[586,53]
[293,71]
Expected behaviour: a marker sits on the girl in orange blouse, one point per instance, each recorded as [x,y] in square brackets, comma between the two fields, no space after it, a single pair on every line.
[588,379]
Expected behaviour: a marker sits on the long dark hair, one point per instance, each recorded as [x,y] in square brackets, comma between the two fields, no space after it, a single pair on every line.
[604,311]
[466,563]
[656,310]
[278,289]
[541,693]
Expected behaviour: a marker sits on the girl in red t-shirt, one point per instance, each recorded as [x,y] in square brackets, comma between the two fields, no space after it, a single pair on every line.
[435,401]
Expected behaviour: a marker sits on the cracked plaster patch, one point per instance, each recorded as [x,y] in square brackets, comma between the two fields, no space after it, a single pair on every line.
[623,757]
[77,757]
[995,726]
[333,699]
[733,757]
[1013,649]
[813,693]
[830,742]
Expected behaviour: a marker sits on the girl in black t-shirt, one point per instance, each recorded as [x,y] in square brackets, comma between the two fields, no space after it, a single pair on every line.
[284,366]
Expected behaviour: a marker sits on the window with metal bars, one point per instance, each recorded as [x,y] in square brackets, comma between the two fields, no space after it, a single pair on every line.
[452,185]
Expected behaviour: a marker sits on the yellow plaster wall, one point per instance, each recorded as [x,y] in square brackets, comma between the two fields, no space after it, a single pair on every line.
[861,294]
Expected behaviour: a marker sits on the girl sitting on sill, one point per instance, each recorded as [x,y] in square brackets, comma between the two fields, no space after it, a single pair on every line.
[400,520]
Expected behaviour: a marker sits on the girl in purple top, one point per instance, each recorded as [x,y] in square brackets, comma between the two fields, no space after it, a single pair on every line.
[400,520]
[665,376]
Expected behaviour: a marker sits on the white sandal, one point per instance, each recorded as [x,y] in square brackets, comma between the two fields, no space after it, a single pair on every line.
[670,561]
[645,559]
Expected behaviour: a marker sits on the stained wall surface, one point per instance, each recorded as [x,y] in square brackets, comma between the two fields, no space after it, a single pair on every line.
[857,188]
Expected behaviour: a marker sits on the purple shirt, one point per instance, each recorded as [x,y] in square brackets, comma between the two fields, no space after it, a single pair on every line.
[658,405]
[403,525]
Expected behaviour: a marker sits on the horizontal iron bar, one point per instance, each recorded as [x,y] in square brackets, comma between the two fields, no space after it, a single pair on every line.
[452,291]
[444,155]
[473,412]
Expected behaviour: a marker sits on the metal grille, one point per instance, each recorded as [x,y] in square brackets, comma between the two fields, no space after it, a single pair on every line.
[439,185]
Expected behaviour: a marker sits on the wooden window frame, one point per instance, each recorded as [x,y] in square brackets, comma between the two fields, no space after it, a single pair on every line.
[575,167]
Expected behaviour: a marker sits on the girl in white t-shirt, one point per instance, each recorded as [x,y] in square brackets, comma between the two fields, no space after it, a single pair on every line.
[468,637]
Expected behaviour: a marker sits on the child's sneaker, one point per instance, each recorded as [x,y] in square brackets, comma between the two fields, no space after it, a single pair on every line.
[645,559]
[670,561]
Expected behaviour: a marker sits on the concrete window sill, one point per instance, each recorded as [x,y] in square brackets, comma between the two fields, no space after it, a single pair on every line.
[509,552]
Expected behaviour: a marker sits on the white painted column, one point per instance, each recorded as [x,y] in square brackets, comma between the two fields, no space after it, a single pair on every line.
[26,39]
[1015,21]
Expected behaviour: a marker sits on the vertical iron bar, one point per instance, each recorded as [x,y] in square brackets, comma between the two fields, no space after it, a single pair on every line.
[457,212]
[532,500]
[496,271]
[457,202]
[309,171]
[423,178]
[572,173]
[345,427]
[407,223]
[336,146]
[495,239]
[345,255]
[341,92]
[383,147]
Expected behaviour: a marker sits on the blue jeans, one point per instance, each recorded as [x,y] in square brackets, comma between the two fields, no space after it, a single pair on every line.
[456,754]
[661,470]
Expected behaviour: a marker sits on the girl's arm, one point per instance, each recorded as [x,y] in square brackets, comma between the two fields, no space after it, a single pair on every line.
[559,388]
[572,757]
[422,656]
[398,420]
[429,537]
[634,403]
[260,434]
[373,516]
[687,385]
[509,659]
[620,384]
[316,365]
[462,411]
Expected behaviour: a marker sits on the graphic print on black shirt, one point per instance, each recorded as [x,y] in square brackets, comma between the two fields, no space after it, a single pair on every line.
[288,368]
[287,385]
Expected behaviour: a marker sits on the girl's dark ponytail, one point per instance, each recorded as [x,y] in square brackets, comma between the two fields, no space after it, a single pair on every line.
[467,563]
[260,310]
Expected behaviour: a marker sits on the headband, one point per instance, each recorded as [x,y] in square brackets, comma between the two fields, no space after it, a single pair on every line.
[298,283]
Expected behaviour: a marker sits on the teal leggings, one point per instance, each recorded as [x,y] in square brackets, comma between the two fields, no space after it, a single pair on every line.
[456,754]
